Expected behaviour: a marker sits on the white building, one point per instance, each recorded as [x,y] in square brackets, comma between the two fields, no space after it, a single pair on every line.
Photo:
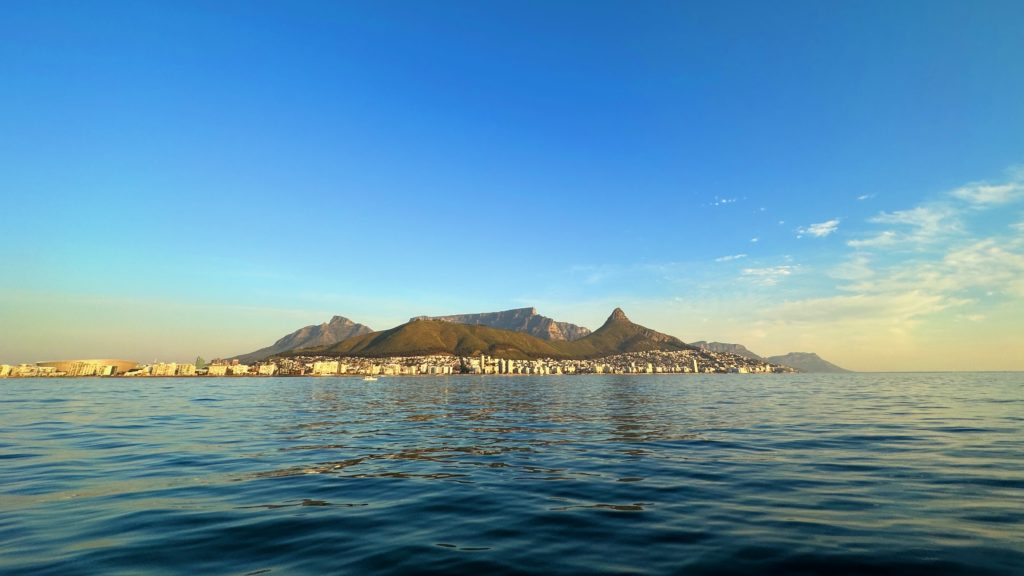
[217,369]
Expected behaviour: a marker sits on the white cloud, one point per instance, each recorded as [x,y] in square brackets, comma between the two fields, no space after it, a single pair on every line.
[768,276]
[985,194]
[755,240]
[819,230]
[856,268]
[730,257]
[863,197]
[894,310]
[920,225]
[883,239]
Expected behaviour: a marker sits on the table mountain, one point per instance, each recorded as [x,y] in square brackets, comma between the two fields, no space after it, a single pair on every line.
[525,320]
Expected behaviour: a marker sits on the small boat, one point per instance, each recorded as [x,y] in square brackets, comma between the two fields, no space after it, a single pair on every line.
[369,379]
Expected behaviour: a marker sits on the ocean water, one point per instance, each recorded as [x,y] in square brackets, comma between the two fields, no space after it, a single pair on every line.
[717,474]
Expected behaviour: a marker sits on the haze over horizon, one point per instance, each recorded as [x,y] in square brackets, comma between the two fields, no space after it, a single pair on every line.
[186,179]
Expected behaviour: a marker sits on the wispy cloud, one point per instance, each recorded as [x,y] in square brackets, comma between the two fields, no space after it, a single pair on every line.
[863,197]
[730,258]
[819,230]
[983,194]
[767,276]
[919,225]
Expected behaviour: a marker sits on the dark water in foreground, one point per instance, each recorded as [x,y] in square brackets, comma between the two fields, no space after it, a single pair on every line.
[794,474]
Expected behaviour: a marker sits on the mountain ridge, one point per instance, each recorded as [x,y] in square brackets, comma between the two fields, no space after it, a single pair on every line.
[337,329]
[737,349]
[423,336]
[806,362]
[525,320]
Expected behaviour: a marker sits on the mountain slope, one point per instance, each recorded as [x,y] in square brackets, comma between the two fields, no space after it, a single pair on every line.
[737,349]
[805,362]
[618,335]
[423,337]
[336,330]
[525,320]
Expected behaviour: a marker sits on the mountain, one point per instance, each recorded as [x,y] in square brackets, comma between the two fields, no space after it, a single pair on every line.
[805,362]
[420,337]
[339,328]
[617,335]
[518,320]
[737,349]
[425,337]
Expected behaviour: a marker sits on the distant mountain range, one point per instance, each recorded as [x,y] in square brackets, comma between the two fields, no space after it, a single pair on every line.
[525,320]
[428,336]
[737,349]
[518,334]
[805,362]
[801,361]
[339,328]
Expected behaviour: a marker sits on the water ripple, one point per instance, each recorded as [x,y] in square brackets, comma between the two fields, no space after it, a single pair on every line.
[800,474]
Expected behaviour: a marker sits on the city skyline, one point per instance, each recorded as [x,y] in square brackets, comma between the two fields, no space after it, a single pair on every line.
[187,179]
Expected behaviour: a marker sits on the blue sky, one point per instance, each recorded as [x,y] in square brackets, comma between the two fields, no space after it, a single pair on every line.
[201,178]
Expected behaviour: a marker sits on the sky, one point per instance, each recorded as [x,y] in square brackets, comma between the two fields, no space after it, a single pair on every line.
[196,178]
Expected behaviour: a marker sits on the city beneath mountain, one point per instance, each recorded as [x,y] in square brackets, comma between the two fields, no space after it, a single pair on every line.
[421,337]
[519,333]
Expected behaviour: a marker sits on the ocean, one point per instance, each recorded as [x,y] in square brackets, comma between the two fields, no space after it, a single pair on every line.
[675,474]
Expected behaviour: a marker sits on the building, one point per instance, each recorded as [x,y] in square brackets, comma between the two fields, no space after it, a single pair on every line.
[325,368]
[162,369]
[217,369]
[239,369]
[94,367]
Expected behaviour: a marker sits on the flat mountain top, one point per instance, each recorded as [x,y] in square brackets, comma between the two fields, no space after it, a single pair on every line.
[525,320]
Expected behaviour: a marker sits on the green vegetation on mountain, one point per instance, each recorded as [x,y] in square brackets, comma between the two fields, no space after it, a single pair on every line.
[619,335]
[424,337]
[519,320]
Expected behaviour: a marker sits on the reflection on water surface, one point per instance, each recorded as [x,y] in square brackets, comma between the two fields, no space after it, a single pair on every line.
[576,475]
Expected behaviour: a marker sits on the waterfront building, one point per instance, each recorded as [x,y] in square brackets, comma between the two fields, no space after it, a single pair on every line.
[92,367]
[325,368]
[239,369]
[217,369]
